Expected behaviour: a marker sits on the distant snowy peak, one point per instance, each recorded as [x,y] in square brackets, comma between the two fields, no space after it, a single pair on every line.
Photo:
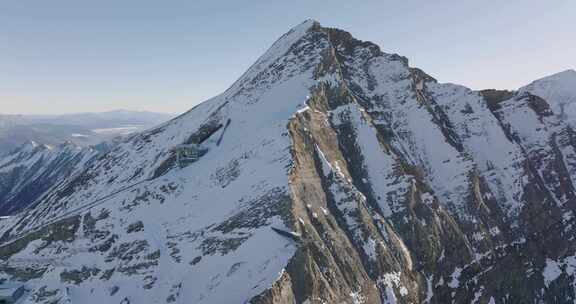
[29,147]
[559,90]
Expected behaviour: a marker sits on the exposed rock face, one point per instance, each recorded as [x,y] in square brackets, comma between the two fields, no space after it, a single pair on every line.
[30,171]
[345,176]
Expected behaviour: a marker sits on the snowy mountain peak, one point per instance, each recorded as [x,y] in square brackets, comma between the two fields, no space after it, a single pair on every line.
[330,172]
[564,78]
[563,74]
[305,25]
[69,145]
[559,90]
[29,145]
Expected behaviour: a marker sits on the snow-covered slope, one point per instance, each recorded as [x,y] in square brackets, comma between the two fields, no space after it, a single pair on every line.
[31,170]
[330,172]
[559,90]
[189,234]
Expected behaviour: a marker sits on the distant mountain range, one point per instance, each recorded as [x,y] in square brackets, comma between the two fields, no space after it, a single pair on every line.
[82,129]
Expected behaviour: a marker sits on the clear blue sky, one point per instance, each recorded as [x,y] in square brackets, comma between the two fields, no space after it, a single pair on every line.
[75,56]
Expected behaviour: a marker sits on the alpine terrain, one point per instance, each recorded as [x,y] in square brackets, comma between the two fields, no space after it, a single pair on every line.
[32,169]
[330,172]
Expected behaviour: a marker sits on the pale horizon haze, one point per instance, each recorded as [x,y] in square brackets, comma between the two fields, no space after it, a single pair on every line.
[167,56]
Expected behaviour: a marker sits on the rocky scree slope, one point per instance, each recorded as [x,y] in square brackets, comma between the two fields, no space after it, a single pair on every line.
[345,176]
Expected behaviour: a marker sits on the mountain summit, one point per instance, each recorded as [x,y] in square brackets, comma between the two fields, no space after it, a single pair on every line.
[560,91]
[330,172]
